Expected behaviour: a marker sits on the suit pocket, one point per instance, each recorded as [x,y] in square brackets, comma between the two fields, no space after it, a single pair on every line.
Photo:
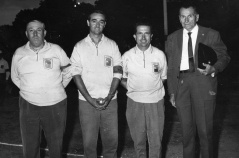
[208,87]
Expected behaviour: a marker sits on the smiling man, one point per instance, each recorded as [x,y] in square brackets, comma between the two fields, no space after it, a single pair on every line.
[145,70]
[97,72]
[37,71]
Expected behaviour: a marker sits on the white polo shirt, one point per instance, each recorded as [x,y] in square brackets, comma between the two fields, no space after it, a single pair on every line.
[95,65]
[144,72]
[39,75]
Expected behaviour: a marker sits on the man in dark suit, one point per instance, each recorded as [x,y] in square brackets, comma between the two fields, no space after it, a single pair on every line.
[192,90]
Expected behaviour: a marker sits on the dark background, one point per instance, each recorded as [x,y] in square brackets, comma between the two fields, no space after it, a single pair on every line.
[66,21]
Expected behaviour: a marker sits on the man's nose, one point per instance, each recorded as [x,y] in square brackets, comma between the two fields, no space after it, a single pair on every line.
[143,36]
[98,24]
[35,33]
[187,19]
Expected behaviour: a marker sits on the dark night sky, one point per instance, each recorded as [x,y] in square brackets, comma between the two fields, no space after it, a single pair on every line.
[9,8]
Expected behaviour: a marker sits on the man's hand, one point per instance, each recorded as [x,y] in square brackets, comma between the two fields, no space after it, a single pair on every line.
[96,104]
[172,100]
[105,102]
[209,70]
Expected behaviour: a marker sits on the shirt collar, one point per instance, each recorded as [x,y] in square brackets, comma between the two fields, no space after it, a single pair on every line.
[194,30]
[149,50]
[46,45]
[88,38]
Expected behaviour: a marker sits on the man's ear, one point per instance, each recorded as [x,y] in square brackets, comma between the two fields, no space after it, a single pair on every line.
[45,33]
[197,17]
[26,34]
[134,36]
[88,23]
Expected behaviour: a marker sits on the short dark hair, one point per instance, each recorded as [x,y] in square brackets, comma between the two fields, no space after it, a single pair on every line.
[143,23]
[36,21]
[187,4]
[97,11]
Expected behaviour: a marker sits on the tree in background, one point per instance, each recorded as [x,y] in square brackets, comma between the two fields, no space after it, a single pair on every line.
[66,20]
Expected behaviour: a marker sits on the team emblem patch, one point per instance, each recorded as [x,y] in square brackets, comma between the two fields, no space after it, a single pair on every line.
[155,66]
[108,61]
[48,63]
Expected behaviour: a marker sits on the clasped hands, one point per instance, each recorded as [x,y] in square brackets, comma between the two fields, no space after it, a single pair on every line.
[101,103]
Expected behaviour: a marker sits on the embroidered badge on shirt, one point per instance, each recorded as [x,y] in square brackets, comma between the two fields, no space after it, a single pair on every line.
[48,63]
[155,66]
[108,61]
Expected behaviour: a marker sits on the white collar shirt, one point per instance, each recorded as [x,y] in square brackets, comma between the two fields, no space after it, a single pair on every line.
[145,71]
[184,59]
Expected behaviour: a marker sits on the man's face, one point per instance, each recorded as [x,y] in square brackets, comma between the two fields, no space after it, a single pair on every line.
[35,33]
[96,23]
[143,36]
[188,18]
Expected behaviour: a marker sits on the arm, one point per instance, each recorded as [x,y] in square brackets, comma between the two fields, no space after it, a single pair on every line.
[65,67]
[124,82]
[14,73]
[168,50]
[81,87]
[223,58]
[66,74]
[114,85]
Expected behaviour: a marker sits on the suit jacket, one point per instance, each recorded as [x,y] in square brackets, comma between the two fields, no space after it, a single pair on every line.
[173,50]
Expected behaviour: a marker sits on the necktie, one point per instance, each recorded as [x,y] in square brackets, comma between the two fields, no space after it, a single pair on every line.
[190,53]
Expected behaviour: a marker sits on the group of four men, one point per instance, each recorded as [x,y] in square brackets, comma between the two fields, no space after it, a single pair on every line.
[42,70]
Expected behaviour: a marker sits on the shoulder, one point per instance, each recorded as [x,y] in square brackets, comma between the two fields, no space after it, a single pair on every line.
[81,43]
[54,46]
[208,30]
[110,41]
[157,52]
[20,50]
[129,52]
[175,33]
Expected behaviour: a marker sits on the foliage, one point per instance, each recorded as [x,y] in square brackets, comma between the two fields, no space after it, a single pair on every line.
[66,20]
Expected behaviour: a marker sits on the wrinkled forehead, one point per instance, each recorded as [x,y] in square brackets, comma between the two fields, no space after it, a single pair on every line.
[35,24]
[187,11]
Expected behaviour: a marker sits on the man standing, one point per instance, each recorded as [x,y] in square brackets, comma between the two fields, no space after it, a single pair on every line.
[97,70]
[4,75]
[37,72]
[192,90]
[145,69]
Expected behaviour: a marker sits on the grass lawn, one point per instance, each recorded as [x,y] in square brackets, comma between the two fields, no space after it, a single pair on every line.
[226,130]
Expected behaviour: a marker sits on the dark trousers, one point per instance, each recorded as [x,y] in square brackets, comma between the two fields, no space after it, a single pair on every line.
[106,121]
[34,119]
[195,104]
[146,121]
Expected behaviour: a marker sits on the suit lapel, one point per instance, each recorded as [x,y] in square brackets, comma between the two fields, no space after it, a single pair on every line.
[180,45]
[200,36]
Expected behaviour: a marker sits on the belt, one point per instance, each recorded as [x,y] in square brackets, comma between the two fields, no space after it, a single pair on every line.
[186,71]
